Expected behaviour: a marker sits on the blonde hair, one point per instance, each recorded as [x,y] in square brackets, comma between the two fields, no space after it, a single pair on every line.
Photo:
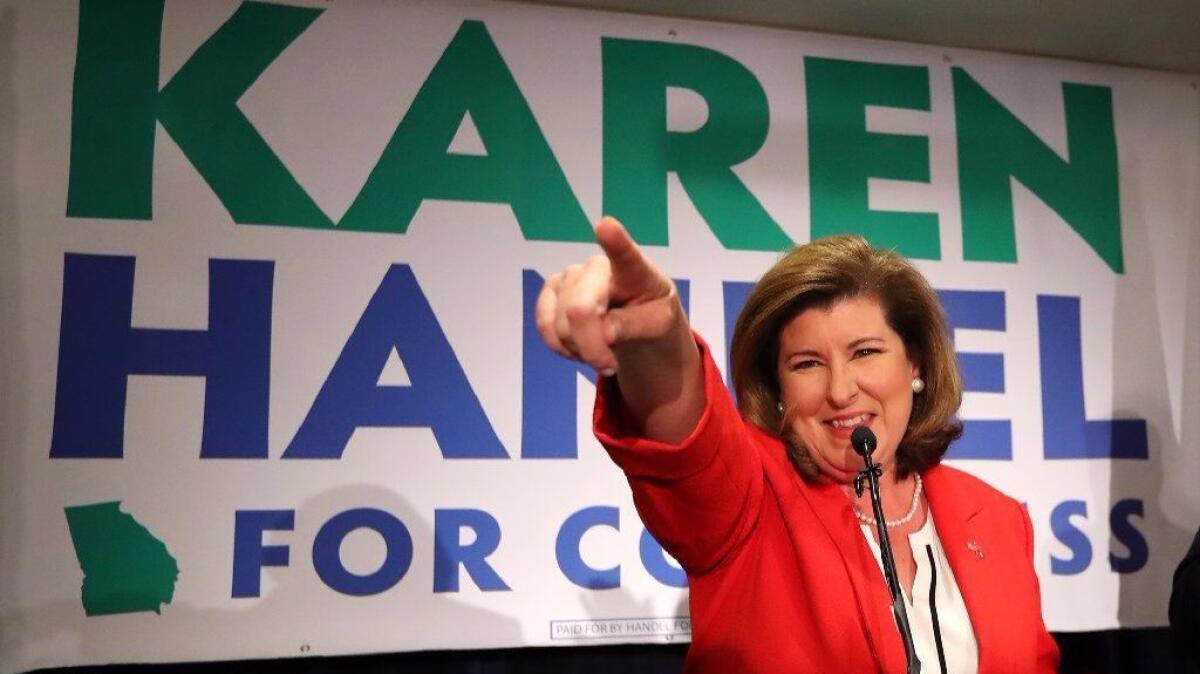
[819,274]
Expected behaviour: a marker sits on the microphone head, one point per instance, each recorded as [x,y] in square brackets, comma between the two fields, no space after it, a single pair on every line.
[863,440]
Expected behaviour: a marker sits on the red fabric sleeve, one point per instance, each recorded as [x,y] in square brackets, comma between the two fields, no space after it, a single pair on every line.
[700,498]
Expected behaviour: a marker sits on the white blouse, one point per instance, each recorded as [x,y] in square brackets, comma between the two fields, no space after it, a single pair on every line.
[938,617]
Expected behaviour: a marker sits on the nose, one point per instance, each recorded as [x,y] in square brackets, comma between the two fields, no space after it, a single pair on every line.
[843,387]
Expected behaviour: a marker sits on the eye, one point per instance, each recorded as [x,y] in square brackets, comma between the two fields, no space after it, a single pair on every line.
[867,351]
[804,364]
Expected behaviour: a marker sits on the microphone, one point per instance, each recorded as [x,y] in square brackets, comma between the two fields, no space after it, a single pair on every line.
[863,441]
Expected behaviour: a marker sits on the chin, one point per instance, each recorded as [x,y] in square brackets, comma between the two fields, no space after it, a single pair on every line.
[840,472]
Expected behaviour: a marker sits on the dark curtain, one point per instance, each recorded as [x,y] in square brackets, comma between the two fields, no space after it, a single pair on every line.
[1130,651]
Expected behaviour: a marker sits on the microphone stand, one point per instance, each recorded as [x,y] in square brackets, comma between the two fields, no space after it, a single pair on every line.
[871,474]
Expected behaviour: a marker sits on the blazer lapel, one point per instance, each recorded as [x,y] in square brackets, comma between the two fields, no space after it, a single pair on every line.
[872,597]
[964,537]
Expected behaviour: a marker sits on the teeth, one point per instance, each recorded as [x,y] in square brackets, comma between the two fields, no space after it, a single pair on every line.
[849,423]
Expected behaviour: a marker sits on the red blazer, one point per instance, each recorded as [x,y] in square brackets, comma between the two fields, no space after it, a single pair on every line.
[781,577]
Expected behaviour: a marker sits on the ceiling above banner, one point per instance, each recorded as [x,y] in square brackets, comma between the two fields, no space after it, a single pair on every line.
[1159,35]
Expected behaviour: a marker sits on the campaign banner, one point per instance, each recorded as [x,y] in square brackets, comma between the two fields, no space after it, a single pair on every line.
[271,380]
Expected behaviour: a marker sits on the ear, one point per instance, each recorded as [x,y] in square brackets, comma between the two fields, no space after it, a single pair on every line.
[914,358]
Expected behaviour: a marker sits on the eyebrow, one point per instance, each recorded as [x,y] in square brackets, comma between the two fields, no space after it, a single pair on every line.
[852,345]
[863,340]
[802,352]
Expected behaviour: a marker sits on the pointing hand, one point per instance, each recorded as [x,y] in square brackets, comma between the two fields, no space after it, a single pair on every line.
[589,311]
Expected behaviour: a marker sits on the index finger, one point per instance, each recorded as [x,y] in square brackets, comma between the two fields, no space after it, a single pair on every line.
[632,271]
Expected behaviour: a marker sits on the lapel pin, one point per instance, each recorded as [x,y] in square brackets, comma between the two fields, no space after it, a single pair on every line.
[975,547]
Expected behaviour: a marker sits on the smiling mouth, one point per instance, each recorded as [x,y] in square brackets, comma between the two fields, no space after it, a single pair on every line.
[850,422]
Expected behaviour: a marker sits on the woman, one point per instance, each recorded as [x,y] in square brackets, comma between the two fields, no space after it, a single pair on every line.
[757,504]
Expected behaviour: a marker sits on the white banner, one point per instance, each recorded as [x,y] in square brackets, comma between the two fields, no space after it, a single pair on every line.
[271,384]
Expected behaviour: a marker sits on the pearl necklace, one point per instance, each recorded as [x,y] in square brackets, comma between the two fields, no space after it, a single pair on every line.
[912,509]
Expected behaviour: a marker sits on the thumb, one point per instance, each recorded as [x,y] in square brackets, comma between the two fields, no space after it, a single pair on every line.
[637,322]
[633,274]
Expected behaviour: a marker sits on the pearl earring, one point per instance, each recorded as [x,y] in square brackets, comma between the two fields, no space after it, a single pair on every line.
[779,406]
[918,385]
